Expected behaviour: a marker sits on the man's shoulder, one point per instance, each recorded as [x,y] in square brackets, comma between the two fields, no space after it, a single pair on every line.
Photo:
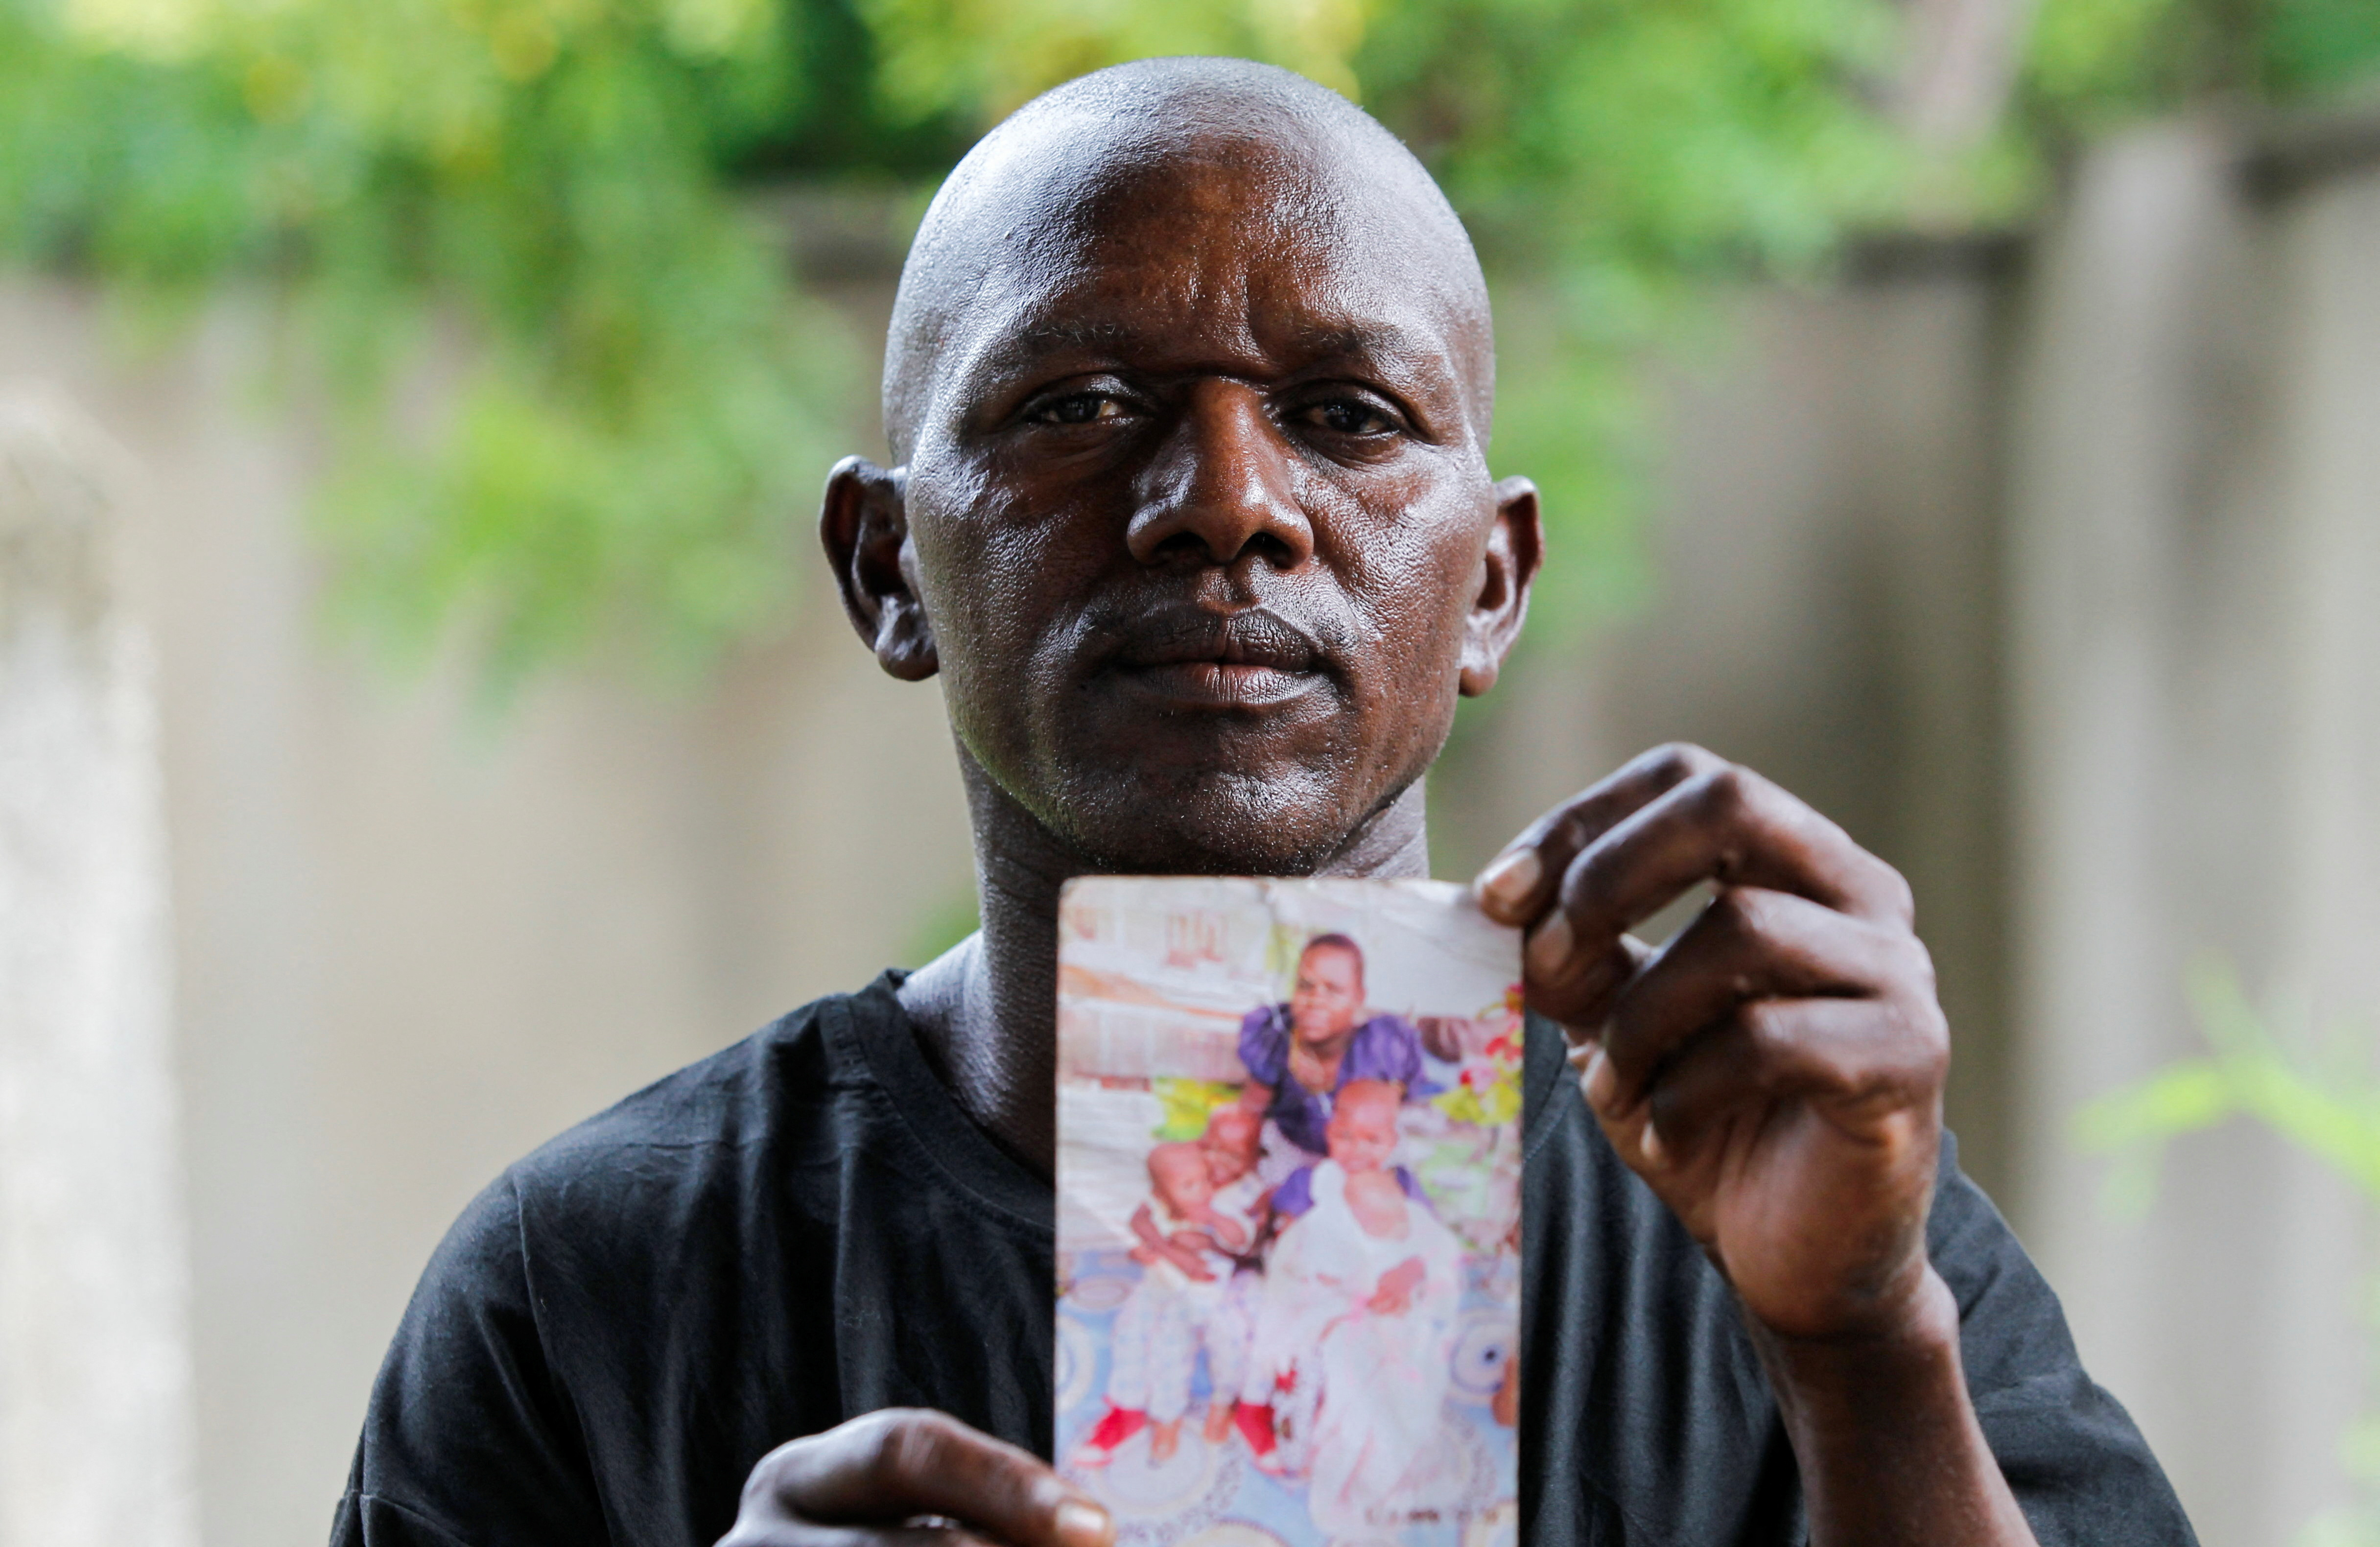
[790,1095]
[729,1096]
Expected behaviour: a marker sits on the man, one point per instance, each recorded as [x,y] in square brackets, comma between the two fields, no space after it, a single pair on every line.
[1189,385]
[1300,1055]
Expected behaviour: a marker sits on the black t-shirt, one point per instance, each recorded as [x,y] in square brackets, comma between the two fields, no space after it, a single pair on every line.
[806,1228]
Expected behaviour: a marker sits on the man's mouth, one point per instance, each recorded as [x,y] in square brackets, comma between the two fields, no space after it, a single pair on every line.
[1196,659]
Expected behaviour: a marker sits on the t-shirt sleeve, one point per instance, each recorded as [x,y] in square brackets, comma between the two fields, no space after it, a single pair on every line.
[2079,1468]
[468,1440]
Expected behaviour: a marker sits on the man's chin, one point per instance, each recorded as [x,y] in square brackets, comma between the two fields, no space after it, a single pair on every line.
[1214,824]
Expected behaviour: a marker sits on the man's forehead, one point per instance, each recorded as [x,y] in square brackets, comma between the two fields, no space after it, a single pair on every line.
[1100,314]
[1294,272]
[1100,230]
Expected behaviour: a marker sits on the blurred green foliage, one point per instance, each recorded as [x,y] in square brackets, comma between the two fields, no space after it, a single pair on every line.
[547,209]
[2320,1092]
[2093,61]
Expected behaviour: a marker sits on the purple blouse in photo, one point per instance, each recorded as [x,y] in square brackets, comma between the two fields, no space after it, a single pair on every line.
[1385,1047]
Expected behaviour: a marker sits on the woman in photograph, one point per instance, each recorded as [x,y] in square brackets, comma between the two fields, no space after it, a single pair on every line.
[1301,1054]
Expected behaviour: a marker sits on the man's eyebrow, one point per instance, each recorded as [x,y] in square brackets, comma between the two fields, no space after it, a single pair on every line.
[1328,341]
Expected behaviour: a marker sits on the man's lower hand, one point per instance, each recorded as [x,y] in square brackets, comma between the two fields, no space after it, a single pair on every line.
[909,1477]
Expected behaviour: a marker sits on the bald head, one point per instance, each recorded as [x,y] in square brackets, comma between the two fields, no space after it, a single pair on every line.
[1160,150]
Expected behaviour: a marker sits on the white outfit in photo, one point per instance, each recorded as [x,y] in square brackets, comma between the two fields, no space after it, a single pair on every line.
[1154,1349]
[1237,1202]
[1232,1327]
[1369,1390]
[1279,1156]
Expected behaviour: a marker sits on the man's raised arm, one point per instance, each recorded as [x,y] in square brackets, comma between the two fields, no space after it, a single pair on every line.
[1775,1075]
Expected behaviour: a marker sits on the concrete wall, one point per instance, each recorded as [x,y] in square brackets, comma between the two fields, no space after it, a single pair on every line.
[413,943]
[2194,552]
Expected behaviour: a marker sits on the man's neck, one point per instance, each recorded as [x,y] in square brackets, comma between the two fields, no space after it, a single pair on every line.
[989,1006]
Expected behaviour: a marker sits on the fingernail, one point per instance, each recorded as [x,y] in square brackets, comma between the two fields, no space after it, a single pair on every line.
[1648,1145]
[1549,949]
[1507,882]
[1082,1523]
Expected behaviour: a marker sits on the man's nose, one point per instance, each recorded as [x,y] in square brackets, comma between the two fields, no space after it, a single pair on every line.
[1222,481]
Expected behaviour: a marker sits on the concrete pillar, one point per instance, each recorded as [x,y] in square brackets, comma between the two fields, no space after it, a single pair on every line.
[95,1420]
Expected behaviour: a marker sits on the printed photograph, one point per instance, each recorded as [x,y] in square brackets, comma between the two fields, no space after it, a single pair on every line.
[1288,1166]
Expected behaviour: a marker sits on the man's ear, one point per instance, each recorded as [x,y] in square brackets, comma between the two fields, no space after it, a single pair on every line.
[865,525]
[1516,546]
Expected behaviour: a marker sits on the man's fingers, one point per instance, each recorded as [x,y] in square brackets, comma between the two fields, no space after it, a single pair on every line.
[1732,826]
[1750,944]
[788,1530]
[1854,1058]
[1574,988]
[1590,869]
[1519,883]
[890,1467]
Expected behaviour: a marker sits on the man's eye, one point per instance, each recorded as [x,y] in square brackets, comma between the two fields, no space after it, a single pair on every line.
[1078,408]
[1348,416]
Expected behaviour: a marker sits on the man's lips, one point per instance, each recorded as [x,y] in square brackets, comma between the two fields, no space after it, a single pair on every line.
[1217,684]
[1195,659]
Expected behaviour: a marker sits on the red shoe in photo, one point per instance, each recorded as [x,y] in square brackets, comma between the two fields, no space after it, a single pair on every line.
[1119,1425]
[1253,1422]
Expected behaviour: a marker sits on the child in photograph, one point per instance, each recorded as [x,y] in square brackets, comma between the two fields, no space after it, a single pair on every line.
[1358,1326]
[1301,1055]
[1231,1146]
[1229,1149]
[1356,1239]
[1373,1454]
[1186,1257]
[1361,1136]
